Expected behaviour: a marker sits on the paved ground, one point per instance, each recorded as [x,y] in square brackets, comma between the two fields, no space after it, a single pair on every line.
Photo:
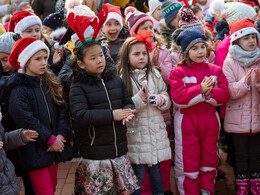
[66,178]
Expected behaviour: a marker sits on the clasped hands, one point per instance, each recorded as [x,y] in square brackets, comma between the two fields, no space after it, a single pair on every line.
[58,145]
[206,86]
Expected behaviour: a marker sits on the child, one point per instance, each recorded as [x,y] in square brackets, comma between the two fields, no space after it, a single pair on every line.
[36,103]
[148,143]
[155,13]
[112,28]
[196,89]
[101,105]
[170,11]
[242,118]
[8,141]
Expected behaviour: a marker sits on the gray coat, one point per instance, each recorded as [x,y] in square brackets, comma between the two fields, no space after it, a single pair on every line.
[9,184]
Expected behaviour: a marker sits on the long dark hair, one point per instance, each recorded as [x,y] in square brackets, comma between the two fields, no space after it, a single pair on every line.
[124,67]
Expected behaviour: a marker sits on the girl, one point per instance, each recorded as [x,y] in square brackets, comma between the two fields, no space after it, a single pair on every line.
[148,143]
[242,118]
[196,89]
[101,105]
[36,103]
[8,141]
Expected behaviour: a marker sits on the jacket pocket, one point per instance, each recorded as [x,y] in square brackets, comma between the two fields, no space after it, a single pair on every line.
[233,113]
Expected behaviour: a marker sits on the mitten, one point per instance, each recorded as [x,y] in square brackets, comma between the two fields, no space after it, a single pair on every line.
[144,92]
[156,100]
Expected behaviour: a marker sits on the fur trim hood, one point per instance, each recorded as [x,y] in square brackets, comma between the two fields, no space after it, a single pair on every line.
[80,75]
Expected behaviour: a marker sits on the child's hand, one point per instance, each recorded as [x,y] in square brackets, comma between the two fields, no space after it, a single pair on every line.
[1,145]
[57,146]
[156,100]
[58,55]
[257,75]
[129,117]
[30,135]
[120,114]
[144,92]
[155,56]
[206,85]
[248,77]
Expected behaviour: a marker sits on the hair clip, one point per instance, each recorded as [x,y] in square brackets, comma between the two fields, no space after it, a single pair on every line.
[144,36]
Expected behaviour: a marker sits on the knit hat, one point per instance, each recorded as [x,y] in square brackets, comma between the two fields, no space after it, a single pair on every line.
[114,13]
[21,20]
[188,38]
[242,28]
[170,10]
[134,18]
[7,41]
[188,20]
[2,29]
[153,4]
[231,11]
[23,50]
[54,20]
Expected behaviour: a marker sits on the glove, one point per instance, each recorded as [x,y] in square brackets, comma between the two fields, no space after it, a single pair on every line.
[144,92]
[156,100]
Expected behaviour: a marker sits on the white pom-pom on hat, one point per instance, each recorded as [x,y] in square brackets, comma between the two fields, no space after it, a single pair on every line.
[70,4]
[217,7]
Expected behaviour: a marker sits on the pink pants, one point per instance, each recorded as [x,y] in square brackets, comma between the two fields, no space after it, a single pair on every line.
[165,169]
[44,181]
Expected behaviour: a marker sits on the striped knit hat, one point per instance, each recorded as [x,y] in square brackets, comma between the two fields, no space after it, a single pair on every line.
[188,20]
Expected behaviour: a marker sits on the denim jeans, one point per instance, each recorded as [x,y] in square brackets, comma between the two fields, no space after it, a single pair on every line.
[155,178]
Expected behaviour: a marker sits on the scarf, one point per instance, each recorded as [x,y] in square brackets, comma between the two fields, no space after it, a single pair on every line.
[245,58]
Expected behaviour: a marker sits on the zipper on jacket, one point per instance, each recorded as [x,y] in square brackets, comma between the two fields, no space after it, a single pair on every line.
[113,123]
[45,100]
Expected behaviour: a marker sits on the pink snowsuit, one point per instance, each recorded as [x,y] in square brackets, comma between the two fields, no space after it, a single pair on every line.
[196,125]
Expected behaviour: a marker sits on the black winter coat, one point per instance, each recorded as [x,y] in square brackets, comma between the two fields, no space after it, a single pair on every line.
[31,107]
[91,103]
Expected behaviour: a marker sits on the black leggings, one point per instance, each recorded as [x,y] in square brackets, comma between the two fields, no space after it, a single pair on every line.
[247,155]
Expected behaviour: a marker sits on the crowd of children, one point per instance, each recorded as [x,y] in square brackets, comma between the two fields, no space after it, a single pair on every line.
[113,85]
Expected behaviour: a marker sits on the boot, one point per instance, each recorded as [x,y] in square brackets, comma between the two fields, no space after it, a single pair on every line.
[255,186]
[242,185]
[204,192]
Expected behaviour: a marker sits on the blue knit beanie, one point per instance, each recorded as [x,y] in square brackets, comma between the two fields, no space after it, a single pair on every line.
[188,38]
[170,10]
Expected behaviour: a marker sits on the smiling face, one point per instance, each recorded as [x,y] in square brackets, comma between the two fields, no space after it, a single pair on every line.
[248,42]
[138,56]
[198,52]
[33,31]
[6,67]
[157,14]
[37,64]
[112,29]
[94,60]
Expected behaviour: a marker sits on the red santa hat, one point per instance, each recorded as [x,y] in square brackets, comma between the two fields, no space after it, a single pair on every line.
[114,13]
[24,49]
[242,28]
[21,20]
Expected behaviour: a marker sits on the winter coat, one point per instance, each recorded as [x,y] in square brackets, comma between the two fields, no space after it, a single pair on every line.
[148,142]
[92,101]
[166,32]
[31,107]
[43,8]
[243,109]
[9,184]
[114,47]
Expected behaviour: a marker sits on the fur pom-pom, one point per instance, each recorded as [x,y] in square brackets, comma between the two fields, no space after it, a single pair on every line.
[70,4]
[216,7]
[129,9]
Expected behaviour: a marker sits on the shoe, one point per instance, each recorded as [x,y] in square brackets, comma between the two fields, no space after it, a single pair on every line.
[255,186]
[243,185]
[220,173]
[168,192]
[204,192]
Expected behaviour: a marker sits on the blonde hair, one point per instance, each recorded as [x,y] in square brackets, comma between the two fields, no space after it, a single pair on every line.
[124,67]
